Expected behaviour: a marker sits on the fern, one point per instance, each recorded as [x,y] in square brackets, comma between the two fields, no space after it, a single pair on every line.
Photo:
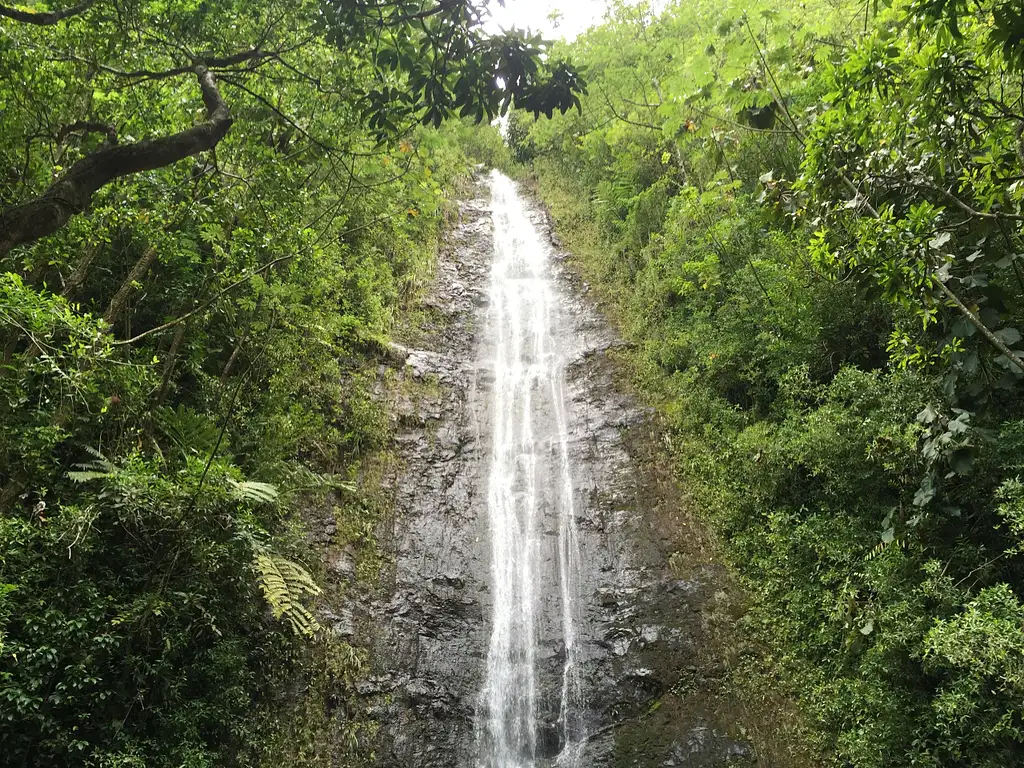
[192,433]
[284,584]
[99,467]
[261,493]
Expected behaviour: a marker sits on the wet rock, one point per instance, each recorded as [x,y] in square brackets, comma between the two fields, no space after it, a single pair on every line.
[374,685]
[684,586]
[548,740]
[449,580]
[343,564]
[429,632]
[343,626]
[704,747]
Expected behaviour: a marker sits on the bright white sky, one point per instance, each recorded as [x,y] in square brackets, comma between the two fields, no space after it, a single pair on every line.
[576,16]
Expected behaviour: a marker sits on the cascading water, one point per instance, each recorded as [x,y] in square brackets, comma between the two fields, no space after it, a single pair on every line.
[530,494]
[559,579]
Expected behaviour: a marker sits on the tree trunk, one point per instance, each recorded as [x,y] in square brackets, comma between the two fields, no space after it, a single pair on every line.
[77,278]
[234,357]
[229,366]
[120,300]
[72,193]
[172,359]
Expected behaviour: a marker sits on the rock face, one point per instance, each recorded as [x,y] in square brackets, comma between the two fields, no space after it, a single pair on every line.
[642,624]
[429,636]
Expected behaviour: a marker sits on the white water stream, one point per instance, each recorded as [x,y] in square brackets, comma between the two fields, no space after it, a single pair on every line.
[530,499]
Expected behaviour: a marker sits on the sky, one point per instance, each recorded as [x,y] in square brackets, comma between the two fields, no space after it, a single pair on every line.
[576,16]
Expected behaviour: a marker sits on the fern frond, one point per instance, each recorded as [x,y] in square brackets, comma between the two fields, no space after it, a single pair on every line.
[84,476]
[876,550]
[344,485]
[191,432]
[99,457]
[285,583]
[889,541]
[98,468]
[248,490]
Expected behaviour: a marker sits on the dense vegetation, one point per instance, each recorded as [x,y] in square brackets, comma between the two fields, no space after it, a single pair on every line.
[212,215]
[808,218]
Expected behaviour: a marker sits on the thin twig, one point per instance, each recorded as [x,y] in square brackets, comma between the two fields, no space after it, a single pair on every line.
[205,304]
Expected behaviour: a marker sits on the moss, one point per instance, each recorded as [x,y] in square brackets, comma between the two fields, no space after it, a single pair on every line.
[320,724]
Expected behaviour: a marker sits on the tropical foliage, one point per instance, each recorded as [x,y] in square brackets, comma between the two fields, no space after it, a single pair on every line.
[213,214]
[808,218]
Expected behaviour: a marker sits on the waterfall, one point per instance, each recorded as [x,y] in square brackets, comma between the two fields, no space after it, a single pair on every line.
[530,497]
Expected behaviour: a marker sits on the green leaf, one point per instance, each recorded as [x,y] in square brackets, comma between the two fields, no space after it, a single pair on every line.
[1009,336]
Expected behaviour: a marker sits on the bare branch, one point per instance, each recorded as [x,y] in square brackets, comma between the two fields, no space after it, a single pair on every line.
[135,275]
[220,62]
[624,119]
[77,278]
[964,206]
[284,117]
[974,320]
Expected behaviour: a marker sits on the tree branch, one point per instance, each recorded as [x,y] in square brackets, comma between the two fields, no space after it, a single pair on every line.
[265,102]
[777,94]
[72,193]
[135,275]
[221,62]
[45,18]
[206,304]
[87,126]
[77,278]
[624,119]
[964,206]
[172,360]
[983,329]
